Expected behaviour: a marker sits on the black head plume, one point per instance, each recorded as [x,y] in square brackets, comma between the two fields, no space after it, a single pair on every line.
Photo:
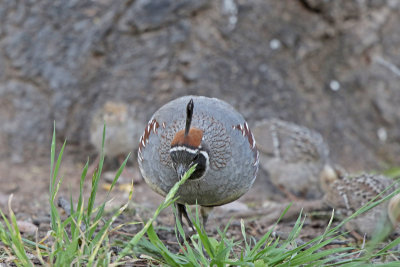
[189,114]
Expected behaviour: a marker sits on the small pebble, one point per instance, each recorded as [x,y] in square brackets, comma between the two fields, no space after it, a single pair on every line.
[27,227]
[65,205]
[382,134]
[334,85]
[275,44]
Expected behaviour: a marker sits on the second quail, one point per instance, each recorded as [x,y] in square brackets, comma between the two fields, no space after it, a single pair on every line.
[347,194]
[293,155]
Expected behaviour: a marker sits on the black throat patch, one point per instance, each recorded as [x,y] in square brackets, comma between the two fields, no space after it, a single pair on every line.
[189,157]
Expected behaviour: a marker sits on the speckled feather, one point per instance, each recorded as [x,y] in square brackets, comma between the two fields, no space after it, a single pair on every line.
[294,156]
[351,193]
[348,194]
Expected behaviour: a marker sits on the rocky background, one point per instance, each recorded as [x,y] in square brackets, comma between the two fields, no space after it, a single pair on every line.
[333,66]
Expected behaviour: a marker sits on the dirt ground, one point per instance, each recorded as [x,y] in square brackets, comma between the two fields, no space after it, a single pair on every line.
[29,184]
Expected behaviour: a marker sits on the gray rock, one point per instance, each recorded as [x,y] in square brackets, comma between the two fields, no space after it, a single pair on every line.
[60,60]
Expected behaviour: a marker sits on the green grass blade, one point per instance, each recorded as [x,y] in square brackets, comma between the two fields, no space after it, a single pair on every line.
[96,177]
[205,240]
[118,174]
[193,257]
[105,229]
[264,239]
[14,239]
[54,216]
[170,258]
[168,201]
[52,156]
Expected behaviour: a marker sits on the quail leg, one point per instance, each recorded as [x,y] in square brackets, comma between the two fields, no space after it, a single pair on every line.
[182,211]
[205,212]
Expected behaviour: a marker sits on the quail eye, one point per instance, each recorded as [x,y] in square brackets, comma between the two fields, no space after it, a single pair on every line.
[196,157]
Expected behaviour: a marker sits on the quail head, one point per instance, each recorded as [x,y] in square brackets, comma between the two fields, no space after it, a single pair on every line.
[123,129]
[348,194]
[204,131]
[294,156]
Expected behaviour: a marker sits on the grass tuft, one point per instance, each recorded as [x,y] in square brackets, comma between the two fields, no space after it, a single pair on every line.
[84,237]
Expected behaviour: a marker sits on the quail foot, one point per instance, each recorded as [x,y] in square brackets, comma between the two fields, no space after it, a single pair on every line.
[207,132]
[123,130]
[348,194]
[294,156]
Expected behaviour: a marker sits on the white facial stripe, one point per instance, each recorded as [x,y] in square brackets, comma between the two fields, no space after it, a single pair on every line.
[205,154]
[193,151]
[183,148]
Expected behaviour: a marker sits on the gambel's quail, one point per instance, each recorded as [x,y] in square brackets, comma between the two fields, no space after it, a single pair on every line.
[207,132]
[293,155]
[348,194]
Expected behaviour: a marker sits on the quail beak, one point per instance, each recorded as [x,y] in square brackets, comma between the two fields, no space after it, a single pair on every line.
[180,170]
